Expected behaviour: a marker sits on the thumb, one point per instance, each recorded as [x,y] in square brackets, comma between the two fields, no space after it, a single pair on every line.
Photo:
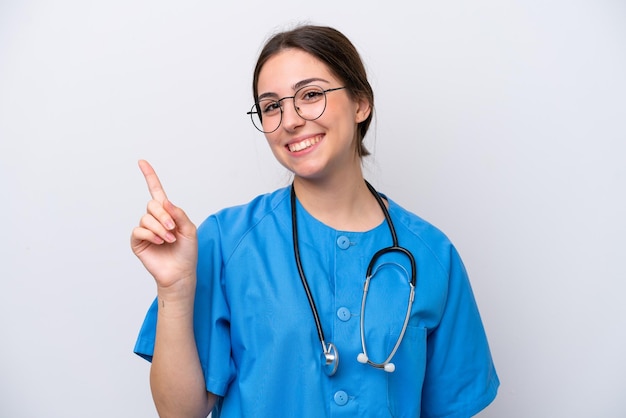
[182,221]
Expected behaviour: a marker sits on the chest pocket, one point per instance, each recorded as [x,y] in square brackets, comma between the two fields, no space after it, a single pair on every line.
[404,385]
[385,311]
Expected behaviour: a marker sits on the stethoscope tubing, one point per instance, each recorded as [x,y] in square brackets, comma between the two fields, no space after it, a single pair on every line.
[305,284]
[404,324]
[330,355]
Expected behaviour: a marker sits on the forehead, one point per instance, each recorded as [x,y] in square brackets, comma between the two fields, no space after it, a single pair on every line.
[284,70]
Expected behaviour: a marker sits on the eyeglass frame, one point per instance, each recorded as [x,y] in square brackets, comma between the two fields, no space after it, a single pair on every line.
[280,105]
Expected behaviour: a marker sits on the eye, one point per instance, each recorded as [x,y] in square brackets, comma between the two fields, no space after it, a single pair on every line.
[269,107]
[310,94]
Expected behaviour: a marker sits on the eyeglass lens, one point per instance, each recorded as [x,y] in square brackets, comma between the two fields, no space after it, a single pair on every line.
[309,102]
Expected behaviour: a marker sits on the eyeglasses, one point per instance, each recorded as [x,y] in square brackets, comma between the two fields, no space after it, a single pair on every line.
[309,102]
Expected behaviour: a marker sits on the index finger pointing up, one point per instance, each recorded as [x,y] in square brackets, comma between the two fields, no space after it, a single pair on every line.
[154,185]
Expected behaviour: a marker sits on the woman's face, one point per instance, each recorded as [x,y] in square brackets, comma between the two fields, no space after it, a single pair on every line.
[312,149]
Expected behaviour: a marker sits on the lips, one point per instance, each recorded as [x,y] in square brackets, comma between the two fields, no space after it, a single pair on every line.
[304,144]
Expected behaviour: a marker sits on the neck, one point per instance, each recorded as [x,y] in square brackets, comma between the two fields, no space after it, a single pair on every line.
[341,203]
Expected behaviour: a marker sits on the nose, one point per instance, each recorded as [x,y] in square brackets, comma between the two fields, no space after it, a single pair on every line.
[291,118]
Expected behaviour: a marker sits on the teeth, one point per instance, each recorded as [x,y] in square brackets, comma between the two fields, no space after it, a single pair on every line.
[304,144]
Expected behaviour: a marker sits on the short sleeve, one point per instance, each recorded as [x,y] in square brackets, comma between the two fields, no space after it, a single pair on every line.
[460,377]
[211,314]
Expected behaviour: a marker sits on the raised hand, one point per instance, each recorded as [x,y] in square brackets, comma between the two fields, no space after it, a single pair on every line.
[165,240]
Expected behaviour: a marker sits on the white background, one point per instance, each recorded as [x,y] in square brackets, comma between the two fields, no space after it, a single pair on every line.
[501,122]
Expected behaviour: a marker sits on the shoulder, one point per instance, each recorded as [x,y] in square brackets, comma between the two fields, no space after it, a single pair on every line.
[233,223]
[420,233]
[416,225]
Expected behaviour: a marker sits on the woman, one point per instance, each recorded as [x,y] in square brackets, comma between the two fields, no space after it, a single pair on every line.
[261,311]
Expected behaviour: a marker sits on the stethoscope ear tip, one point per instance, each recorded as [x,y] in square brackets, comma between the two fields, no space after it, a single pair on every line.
[388,367]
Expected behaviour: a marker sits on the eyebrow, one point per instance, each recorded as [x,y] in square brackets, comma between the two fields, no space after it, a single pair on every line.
[295,87]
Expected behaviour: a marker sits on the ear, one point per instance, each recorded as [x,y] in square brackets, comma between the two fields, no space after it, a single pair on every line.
[363,110]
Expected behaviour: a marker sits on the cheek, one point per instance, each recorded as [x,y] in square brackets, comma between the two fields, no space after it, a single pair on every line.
[274,143]
[272,139]
[344,119]
[344,114]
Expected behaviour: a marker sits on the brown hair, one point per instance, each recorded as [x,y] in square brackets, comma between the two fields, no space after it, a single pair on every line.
[335,50]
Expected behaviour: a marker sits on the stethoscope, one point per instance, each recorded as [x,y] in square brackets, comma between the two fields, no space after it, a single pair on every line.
[330,355]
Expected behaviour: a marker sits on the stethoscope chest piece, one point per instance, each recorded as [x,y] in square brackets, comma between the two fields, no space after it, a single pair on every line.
[330,359]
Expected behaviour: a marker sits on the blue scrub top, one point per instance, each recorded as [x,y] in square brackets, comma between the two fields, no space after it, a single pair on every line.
[256,336]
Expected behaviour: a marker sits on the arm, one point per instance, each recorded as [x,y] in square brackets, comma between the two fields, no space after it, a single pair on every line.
[176,378]
[166,243]
[460,379]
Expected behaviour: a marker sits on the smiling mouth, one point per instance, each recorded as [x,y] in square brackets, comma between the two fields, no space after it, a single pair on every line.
[302,145]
